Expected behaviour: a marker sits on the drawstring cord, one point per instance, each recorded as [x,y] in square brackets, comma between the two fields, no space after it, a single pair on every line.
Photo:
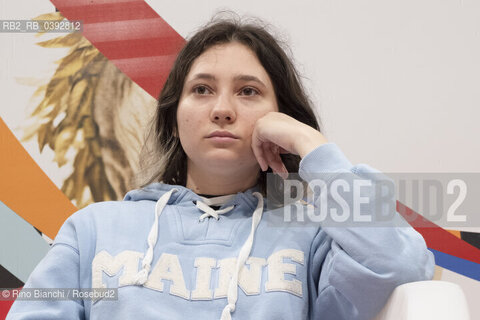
[204,205]
[232,294]
[142,275]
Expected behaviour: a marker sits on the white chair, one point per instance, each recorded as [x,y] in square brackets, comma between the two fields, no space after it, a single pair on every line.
[425,300]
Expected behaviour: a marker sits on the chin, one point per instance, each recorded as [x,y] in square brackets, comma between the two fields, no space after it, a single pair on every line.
[230,160]
[227,160]
[224,157]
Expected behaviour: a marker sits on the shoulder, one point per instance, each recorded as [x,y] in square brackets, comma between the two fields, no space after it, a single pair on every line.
[109,209]
[99,217]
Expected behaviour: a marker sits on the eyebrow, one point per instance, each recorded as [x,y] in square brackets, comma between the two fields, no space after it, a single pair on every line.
[240,77]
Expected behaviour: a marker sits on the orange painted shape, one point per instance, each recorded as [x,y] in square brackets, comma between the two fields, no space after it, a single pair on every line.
[456,233]
[27,190]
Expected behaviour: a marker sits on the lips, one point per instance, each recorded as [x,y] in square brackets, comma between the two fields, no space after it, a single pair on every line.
[222,134]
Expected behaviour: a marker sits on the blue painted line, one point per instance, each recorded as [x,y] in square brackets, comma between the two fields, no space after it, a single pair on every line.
[464,267]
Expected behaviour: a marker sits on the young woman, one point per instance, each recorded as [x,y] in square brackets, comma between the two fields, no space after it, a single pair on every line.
[198,242]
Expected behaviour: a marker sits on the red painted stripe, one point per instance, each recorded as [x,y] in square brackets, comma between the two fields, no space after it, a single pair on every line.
[5,307]
[145,66]
[140,43]
[438,238]
[80,3]
[127,30]
[152,85]
[116,12]
[138,48]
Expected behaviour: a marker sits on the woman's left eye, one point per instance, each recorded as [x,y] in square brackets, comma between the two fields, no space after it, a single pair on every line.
[248,91]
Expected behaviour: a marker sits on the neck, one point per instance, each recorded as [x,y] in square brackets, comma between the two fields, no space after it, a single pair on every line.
[219,182]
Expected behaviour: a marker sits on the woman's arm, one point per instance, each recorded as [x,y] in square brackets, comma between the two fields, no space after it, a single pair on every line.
[354,267]
[60,268]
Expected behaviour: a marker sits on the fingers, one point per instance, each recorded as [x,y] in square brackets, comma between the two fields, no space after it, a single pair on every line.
[283,151]
[272,154]
[268,155]
[259,153]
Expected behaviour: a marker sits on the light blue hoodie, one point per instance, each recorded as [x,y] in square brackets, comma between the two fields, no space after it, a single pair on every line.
[174,257]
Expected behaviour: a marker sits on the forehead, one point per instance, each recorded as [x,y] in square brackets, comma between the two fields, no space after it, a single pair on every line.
[229,60]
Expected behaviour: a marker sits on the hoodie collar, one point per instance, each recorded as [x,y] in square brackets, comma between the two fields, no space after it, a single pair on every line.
[155,190]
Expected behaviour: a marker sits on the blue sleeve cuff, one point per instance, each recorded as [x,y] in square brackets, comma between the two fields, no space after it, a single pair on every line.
[326,158]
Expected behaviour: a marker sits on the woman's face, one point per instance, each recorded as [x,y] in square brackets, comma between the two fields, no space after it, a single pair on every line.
[226,91]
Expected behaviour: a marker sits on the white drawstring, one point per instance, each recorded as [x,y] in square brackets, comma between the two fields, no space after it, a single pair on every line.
[142,276]
[205,204]
[209,212]
[232,293]
[243,255]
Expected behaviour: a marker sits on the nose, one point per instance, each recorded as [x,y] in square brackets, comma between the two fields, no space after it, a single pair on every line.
[223,111]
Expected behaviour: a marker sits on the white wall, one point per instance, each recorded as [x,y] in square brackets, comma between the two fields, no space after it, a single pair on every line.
[396,82]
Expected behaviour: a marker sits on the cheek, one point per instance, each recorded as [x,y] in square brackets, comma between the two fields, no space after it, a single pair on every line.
[190,131]
[186,130]
[183,123]
[185,118]
[249,125]
[254,117]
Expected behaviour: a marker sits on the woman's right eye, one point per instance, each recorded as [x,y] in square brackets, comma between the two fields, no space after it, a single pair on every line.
[201,90]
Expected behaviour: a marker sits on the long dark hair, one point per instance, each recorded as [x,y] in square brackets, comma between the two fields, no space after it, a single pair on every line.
[165,158]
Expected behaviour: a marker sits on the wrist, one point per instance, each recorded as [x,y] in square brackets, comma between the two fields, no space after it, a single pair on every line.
[309,140]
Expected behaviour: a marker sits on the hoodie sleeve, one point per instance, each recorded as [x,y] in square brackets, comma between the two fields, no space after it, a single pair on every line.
[355,268]
[60,268]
